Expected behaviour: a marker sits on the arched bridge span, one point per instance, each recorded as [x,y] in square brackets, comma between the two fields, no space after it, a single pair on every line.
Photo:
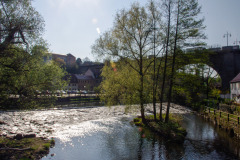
[227,63]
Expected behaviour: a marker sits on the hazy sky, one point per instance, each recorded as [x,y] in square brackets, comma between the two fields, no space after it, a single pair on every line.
[72,26]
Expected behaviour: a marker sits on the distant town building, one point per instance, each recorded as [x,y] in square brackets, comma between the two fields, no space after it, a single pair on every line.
[73,82]
[69,59]
[235,88]
[89,77]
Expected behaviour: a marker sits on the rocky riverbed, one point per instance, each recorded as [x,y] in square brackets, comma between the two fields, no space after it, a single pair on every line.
[64,122]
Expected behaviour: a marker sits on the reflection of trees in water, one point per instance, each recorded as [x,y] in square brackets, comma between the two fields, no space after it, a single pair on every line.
[204,138]
[121,143]
[155,147]
[140,147]
[153,152]
[231,145]
[126,142]
[197,129]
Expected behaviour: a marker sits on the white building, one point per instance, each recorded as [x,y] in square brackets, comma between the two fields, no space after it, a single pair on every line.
[235,88]
[73,82]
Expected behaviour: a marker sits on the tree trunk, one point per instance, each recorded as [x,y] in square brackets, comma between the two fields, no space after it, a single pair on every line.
[141,87]
[173,66]
[142,101]
[154,75]
[166,57]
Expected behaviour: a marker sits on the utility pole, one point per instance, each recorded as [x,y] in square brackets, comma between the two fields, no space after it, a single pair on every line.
[226,35]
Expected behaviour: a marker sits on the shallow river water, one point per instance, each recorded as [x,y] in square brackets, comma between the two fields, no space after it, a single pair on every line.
[116,139]
[101,133]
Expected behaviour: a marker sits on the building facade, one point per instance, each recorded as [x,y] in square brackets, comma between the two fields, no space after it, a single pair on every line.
[73,82]
[69,59]
[235,89]
[90,77]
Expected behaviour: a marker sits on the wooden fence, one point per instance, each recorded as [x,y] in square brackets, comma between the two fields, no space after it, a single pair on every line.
[224,120]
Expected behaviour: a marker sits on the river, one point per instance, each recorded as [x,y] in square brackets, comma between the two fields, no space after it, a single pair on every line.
[101,133]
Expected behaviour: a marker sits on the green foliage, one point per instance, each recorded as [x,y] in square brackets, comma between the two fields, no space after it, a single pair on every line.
[128,41]
[120,84]
[19,18]
[188,89]
[196,82]
[79,62]
[215,93]
[22,69]
[23,73]
[175,25]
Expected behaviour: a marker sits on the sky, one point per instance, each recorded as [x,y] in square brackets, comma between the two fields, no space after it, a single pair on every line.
[72,26]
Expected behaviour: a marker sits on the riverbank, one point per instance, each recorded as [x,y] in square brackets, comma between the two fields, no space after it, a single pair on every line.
[24,148]
[228,122]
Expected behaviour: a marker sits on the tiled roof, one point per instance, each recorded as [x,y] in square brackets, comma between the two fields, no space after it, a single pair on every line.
[236,79]
[96,69]
[83,77]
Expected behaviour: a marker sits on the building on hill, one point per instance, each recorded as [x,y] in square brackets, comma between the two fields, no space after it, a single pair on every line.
[235,88]
[69,59]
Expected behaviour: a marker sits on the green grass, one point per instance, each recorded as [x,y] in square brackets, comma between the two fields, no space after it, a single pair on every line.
[171,130]
[34,148]
[224,115]
[46,146]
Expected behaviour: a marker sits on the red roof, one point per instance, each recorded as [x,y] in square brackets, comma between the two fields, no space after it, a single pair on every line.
[236,79]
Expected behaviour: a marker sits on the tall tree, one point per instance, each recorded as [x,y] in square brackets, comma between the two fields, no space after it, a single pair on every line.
[157,48]
[22,69]
[129,40]
[79,62]
[20,23]
[188,33]
[168,7]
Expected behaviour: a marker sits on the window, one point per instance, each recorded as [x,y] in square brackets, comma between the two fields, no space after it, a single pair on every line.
[233,86]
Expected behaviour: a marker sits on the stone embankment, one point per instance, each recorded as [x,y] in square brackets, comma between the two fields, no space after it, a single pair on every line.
[53,122]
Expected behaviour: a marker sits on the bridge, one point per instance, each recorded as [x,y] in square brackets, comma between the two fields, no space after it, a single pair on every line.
[226,62]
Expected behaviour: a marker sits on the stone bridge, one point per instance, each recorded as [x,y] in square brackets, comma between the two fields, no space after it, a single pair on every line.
[226,62]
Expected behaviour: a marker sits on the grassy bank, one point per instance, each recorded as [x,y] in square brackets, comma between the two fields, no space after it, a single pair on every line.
[172,130]
[24,149]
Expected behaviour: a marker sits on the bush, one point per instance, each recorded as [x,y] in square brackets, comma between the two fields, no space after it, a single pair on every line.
[237,111]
